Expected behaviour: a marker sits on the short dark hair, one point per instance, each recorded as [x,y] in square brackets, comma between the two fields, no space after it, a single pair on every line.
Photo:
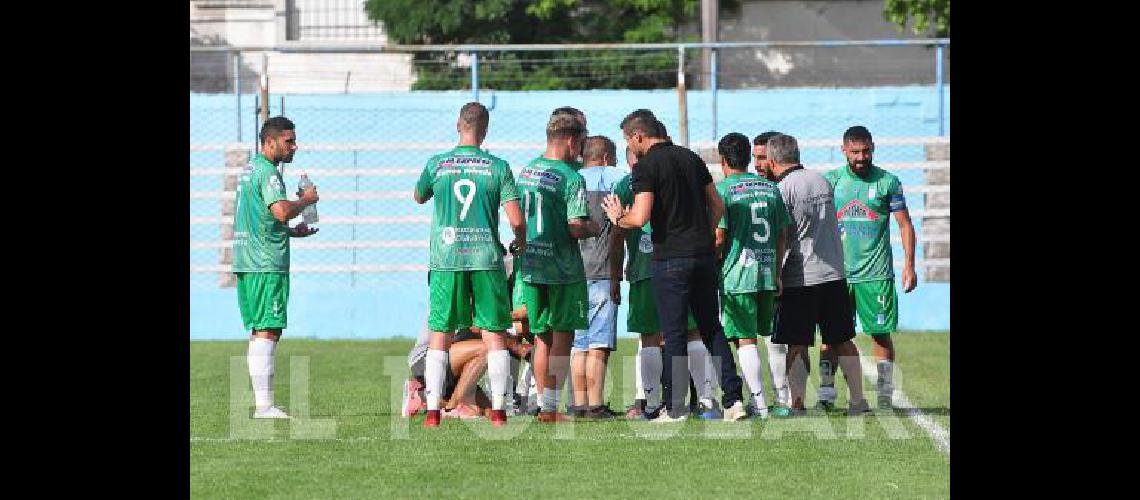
[762,139]
[567,109]
[597,146]
[735,149]
[475,115]
[274,126]
[858,133]
[642,120]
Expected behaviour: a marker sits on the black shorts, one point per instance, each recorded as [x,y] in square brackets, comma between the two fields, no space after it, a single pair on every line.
[801,308]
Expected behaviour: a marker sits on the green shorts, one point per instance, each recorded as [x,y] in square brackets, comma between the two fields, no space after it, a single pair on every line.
[642,315]
[876,305]
[747,315]
[558,308]
[469,298]
[263,299]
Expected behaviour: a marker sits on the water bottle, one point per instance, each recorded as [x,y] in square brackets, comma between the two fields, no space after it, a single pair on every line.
[309,214]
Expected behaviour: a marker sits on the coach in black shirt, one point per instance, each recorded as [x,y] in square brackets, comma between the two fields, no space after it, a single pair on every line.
[675,193]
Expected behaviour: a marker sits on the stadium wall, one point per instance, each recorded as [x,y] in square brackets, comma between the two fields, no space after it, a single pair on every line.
[395,304]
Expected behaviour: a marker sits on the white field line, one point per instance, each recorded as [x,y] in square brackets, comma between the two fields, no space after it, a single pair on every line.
[940,436]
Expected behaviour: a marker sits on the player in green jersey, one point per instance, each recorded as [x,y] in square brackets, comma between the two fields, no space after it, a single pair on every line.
[554,280]
[467,279]
[865,196]
[751,238]
[261,254]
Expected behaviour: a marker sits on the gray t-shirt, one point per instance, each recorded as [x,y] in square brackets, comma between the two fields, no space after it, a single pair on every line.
[600,181]
[815,252]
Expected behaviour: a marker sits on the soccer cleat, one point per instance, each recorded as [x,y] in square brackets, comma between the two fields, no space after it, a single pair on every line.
[413,403]
[859,409]
[432,419]
[635,410]
[707,412]
[552,417]
[827,395]
[755,413]
[735,412]
[498,418]
[652,413]
[271,412]
[664,418]
[780,411]
[885,402]
[461,411]
[600,412]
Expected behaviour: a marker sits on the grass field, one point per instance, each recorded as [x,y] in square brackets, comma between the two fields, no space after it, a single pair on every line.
[362,450]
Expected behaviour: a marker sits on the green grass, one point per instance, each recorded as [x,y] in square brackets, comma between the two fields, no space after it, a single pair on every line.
[375,454]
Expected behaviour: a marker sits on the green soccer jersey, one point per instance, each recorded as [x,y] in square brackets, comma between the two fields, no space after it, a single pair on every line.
[553,193]
[261,242]
[754,216]
[468,185]
[638,242]
[863,207]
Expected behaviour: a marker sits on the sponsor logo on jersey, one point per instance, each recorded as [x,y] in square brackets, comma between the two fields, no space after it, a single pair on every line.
[275,182]
[447,235]
[855,210]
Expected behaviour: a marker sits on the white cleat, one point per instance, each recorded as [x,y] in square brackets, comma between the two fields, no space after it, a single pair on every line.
[735,412]
[271,412]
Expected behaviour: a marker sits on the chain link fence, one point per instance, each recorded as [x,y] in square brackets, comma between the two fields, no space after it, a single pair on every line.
[365,150]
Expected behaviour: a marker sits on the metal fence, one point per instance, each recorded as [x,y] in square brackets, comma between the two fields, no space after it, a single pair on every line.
[365,150]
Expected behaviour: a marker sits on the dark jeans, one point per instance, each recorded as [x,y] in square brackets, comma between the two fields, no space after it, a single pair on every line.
[681,284]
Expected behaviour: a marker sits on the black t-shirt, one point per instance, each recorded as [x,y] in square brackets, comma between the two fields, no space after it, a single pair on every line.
[677,178]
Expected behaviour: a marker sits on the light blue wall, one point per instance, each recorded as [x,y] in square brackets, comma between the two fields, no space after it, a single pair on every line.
[395,304]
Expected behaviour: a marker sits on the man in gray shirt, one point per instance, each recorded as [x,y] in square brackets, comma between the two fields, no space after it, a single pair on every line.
[592,346]
[814,283]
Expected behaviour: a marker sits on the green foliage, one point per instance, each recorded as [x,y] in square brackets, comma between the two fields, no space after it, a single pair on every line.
[539,21]
[923,12]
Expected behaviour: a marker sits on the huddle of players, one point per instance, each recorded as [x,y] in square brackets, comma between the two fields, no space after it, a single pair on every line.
[468,284]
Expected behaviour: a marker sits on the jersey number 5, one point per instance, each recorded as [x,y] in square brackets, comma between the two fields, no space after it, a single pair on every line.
[759,220]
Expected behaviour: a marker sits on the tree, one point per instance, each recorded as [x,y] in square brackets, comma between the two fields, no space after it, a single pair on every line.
[899,12]
[541,21]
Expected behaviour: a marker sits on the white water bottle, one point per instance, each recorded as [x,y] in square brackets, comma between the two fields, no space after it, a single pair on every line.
[309,214]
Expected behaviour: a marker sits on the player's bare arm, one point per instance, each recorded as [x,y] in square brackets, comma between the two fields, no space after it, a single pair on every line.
[616,256]
[781,244]
[716,204]
[286,210]
[581,228]
[721,238]
[518,225]
[906,231]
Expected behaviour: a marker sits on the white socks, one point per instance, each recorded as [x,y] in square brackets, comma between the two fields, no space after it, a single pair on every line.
[259,359]
[886,385]
[639,393]
[434,366]
[498,371]
[778,365]
[698,368]
[651,366]
[750,366]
